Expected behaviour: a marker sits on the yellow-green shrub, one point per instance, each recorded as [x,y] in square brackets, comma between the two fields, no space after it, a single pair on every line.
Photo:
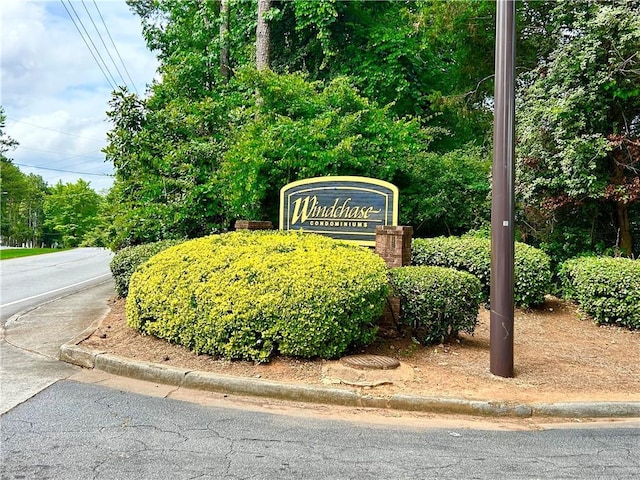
[125,262]
[249,295]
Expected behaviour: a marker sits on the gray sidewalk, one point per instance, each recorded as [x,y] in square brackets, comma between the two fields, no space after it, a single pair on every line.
[30,342]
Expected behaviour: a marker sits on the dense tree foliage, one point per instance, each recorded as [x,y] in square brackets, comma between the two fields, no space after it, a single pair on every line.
[21,216]
[21,196]
[302,130]
[71,211]
[33,214]
[579,134]
[401,90]
[209,144]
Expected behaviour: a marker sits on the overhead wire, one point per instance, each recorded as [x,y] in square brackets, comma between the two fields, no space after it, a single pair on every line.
[68,155]
[115,83]
[64,171]
[112,83]
[115,47]
[95,52]
[124,82]
[54,130]
[102,65]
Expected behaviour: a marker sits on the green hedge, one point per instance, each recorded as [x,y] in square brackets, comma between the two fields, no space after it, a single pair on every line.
[437,302]
[532,268]
[608,289]
[125,262]
[250,295]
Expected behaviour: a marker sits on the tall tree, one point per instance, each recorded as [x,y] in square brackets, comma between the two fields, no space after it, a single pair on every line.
[429,61]
[263,35]
[225,68]
[579,130]
[6,142]
[71,211]
[21,197]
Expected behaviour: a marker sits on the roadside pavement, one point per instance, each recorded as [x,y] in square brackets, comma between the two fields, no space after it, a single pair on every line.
[30,342]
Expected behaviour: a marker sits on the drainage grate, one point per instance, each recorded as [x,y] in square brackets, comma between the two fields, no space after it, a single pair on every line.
[370,362]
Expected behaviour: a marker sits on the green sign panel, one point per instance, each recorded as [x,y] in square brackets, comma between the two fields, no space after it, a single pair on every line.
[345,208]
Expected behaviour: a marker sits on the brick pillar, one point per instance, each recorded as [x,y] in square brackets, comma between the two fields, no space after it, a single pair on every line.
[253,225]
[393,244]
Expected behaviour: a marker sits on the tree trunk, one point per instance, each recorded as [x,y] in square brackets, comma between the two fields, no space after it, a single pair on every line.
[262,36]
[225,70]
[625,242]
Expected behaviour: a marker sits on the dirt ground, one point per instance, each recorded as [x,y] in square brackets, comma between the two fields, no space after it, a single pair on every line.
[558,357]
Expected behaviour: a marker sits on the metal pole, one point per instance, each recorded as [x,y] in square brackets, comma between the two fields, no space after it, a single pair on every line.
[502,209]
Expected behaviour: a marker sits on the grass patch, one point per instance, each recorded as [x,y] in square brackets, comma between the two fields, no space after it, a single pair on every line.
[8,253]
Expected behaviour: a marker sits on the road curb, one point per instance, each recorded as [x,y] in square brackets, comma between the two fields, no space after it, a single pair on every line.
[214,382]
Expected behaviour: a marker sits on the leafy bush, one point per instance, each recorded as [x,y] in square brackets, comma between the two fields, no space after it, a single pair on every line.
[606,288]
[304,129]
[125,262]
[532,271]
[445,192]
[437,302]
[249,295]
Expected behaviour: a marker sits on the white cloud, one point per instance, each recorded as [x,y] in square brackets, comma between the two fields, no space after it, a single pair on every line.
[54,94]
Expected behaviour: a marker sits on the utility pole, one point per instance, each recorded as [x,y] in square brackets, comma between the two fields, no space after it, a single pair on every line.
[502,193]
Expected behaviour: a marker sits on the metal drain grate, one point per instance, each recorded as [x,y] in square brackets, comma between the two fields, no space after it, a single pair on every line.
[370,362]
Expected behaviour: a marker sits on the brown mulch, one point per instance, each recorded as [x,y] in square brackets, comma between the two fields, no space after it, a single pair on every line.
[559,356]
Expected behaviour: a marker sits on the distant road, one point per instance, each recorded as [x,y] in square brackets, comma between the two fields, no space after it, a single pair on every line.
[29,281]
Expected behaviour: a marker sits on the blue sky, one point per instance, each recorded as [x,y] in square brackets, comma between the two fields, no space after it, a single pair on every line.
[54,93]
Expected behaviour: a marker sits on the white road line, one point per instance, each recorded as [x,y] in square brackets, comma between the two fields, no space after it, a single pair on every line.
[54,291]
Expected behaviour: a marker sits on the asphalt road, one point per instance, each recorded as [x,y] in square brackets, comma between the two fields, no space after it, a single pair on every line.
[29,281]
[80,431]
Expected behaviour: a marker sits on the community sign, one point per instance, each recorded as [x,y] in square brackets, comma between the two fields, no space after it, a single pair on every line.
[345,208]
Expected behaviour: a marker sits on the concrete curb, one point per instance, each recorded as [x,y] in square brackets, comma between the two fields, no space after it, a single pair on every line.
[87,358]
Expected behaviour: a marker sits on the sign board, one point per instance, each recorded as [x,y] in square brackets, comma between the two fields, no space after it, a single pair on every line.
[344,208]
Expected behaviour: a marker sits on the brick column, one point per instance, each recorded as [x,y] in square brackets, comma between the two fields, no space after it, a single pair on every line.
[393,244]
[253,225]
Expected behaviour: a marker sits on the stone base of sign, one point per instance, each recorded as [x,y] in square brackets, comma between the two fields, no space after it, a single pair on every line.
[393,244]
[253,225]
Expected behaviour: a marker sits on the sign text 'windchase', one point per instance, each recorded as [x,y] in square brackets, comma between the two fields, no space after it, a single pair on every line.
[346,208]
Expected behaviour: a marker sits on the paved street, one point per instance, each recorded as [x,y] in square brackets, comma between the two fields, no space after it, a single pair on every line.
[79,431]
[30,281]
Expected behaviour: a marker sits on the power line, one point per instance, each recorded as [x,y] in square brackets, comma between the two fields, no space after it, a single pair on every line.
[64,171]
[115,47]
[68,155]
[54,130]
[124,82]
[113,84]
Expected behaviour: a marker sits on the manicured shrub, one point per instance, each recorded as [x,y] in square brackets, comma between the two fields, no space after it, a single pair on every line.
[437,302]
[532,271]
[250,295]
[125,261]
[608,289]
